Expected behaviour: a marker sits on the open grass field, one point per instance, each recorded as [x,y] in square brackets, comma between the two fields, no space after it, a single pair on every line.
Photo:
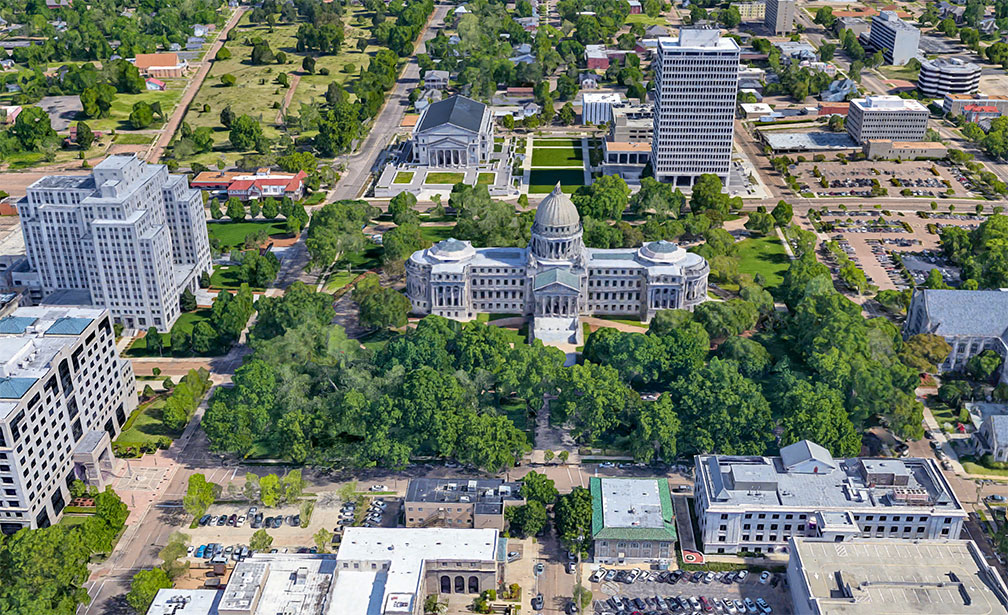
[485,178]
[122,106]
[232,234]
[133,138]
[226,277]
[145,424]
[556,142]
[256,93]
[403,177]
[444,178]
[763,255]
[647,20]
[557,157]
[435,234]
[544,180]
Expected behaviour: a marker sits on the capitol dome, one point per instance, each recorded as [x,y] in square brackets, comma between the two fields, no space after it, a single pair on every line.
[556,214]
[452,249]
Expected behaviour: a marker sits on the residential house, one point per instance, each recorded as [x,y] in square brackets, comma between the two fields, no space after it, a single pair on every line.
[155,84]
[436,79]
[160,65]
[9,113]
[261,186]
[635,7]
[195,43]
[596,57]
[589,81]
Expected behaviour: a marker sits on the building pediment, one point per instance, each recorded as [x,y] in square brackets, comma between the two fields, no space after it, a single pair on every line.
[447,142]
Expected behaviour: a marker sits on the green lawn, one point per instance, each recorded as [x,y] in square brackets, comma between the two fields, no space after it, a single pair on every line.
[369,258]
[136,138]
[485,178]
[435,234]
[122,106]
[556,142]
[647,20]
[226,277]
[633,323]
[557,157]
[444,178]
[763,255]
[975,468]
[232,234]
[69,521]
[145,424]
[186,321]
[403,177]
[338,280]
[544,180]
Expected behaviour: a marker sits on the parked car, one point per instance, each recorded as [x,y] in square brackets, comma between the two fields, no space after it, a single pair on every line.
[213,520]
[571,566]
[610,575]
[232,519]
[764,577]
[763,606]
[741,576]
[240,522]
[707,578]
[695,578]
[595,577]
[200,551]
[379,488]
[537,602]
[750,607]
[539,568]
[571,608]
[252,511]
[513,556]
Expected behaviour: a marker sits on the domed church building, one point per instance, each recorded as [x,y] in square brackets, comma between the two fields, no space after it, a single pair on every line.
[556,278]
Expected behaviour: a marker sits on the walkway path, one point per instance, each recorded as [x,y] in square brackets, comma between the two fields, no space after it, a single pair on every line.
[586,159]
[159,146]
[551,438]
[287,98]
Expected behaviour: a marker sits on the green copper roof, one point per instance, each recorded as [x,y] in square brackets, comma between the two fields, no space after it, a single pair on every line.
[69,326]
[15,388]
[557,276]
[667,530]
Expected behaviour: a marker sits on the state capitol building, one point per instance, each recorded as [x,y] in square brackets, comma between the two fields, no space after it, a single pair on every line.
[556,279]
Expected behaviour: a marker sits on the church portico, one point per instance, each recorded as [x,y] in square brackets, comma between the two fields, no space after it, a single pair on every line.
[556,279]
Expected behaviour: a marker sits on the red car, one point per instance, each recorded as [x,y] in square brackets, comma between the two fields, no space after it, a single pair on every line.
[706,605]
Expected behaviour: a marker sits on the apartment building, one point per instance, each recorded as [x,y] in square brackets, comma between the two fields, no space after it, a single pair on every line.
[895,38]
[443,502]
[130,237]
[696,86]
[64,395]
[779,16]
[758,503]
[889,118]
[751,11]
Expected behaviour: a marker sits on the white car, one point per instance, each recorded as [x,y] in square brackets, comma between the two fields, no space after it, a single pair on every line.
[379,488]
[240,522]
[764,578]
[741,576]
[189,550]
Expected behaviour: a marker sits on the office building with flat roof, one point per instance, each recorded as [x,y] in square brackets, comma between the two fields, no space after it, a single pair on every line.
[895,38]
[942,76]
[956,104]
[459,503]
[597,107]
[751,11]
[695,91]
[129,237]
[757,503]
[779,16]
[64,396]
[889,118]
[632,520]
[893,577]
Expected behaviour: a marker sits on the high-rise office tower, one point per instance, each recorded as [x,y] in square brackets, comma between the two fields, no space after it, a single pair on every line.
[129,237]
[696,85]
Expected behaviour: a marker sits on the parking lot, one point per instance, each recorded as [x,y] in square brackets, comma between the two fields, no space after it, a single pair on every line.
[923,178]
[667,592]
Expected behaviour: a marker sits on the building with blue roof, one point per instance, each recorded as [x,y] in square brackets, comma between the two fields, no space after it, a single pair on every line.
[556,279]
[971,321]
[64,395]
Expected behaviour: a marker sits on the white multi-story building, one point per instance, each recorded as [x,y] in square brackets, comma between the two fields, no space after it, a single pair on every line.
[780,16]
[129,237]
[696,85]
[895,38]
[942,76]
[757,503]
[888,118]
[556,278]
[597,107]
[64,395]
[956,104]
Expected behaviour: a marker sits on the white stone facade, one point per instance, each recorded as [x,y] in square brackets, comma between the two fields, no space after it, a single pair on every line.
[695,90]
[555,279]
[896,39]
[64,395]
[456,132]
[130,235]
[889,118]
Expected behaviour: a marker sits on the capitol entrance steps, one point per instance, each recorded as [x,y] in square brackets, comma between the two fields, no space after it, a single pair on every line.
[557,329]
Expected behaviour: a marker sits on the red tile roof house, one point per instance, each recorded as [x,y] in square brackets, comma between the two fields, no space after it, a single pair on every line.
[262,185]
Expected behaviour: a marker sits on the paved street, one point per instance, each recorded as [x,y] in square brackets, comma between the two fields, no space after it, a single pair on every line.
[360,164]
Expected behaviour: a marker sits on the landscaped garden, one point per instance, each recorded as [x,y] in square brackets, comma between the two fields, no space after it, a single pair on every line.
[557,157]
[403,177]
[232,234]
[444,177]
[186,321]
[146,423]
[764,256]
[485,178]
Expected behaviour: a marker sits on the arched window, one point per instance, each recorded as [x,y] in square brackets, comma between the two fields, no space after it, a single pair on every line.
[445,584]
[473,585]
[459,585]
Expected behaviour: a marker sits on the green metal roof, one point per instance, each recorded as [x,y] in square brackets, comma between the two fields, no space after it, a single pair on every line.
[69,326]
[557,276]
[601,531]
[15,388]
[16,324]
